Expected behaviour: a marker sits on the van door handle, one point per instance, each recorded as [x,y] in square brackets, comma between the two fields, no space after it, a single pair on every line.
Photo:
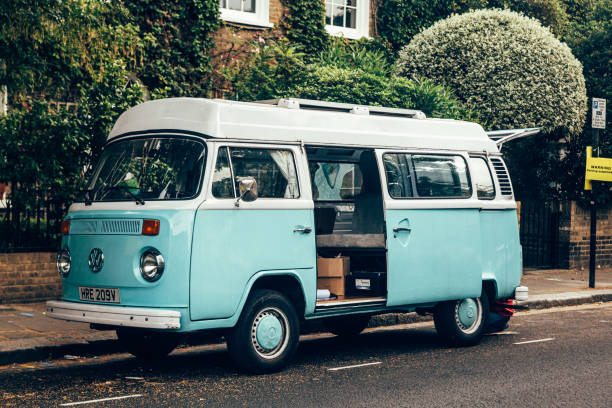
[303,230]
[398,229]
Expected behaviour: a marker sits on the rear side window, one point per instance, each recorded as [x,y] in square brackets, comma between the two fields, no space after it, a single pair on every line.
[274,170]
[441,176]
[482,178]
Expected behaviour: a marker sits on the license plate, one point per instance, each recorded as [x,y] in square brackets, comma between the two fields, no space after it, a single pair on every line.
[103,295]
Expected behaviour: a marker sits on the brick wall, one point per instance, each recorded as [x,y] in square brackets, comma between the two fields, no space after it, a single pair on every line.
[580,233]
[28,277]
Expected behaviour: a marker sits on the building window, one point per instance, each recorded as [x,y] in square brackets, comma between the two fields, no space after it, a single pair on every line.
[348,18]
[249,12]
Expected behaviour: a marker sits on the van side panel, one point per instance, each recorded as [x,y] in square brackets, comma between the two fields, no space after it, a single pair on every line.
[230,246]
[495,246]
[501,252]
[438,259]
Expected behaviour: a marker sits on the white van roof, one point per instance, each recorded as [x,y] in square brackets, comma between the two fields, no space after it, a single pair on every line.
[300,121]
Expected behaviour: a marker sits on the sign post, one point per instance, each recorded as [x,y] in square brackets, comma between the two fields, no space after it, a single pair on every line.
[596,169]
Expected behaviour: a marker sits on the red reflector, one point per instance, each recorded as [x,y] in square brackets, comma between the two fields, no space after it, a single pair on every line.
[150,227]
[65,227]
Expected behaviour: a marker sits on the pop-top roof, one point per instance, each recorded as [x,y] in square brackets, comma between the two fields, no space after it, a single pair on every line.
[303,121]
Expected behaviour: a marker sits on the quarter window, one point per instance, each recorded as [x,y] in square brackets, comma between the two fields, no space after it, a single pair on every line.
[274,171]
[482,178]
[441,176]
[348,18]
[222,186]
[398,175]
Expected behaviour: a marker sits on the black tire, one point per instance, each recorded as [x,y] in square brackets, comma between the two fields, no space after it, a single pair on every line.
[146,344]
[347,326]
[450,327]
[272,316]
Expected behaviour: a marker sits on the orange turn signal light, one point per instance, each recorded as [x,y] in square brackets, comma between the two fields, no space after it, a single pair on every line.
[150,227]
[65,228]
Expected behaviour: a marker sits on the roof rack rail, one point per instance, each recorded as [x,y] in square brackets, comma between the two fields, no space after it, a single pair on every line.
[296,103]
[502,136]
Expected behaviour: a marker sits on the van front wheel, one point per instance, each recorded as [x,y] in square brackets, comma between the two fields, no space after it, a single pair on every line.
[267,333]
[462,322]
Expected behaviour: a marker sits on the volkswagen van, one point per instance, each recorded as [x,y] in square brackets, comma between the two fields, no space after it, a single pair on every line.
[252,218]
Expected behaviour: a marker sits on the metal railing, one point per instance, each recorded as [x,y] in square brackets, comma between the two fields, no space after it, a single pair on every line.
[33,225]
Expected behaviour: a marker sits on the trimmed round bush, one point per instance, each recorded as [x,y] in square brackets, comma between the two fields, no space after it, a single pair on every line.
[506,66]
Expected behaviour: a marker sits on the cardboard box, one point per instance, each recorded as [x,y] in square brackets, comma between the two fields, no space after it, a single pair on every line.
[335,284]
[333,267]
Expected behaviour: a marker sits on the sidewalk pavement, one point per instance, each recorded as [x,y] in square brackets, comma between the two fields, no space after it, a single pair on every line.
[26,334]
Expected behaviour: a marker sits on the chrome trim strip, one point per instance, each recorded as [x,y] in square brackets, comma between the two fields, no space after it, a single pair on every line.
[114,315]
[350,304]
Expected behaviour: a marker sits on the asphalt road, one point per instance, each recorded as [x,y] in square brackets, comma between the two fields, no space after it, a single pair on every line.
[568,365]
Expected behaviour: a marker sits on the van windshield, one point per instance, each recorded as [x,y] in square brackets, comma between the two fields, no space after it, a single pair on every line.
[141,169]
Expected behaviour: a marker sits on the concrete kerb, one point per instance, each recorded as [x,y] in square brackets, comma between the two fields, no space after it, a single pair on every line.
[109,346]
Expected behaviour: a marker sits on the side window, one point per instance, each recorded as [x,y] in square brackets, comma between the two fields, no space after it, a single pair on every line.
[482,178]
[274,171]
[398,175]
[441,176]
[222,177]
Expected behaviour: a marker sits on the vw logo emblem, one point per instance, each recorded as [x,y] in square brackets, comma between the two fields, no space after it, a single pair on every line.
[96,260]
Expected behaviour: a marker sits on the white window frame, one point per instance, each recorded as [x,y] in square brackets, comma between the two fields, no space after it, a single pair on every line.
[260,18]
[362,23]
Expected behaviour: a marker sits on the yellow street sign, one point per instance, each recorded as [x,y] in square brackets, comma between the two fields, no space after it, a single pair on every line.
[597,168]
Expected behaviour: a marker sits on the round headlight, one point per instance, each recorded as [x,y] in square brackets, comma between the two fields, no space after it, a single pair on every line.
[63,262]
[152,265]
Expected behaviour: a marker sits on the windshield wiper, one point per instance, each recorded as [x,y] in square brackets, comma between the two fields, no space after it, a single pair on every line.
[127,189]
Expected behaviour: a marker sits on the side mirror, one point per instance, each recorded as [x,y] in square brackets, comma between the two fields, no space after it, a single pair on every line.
[247,187]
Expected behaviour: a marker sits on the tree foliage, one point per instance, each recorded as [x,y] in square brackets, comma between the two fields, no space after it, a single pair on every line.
[589,36]
[352,75]
[400,20]
[49,48]
[178,36]
[512,70]
[305,25]
[350,85]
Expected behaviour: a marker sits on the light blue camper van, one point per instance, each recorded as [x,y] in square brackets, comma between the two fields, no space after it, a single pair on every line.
[254,217]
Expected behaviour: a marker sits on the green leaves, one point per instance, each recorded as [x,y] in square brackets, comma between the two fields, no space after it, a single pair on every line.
[512,70]
[178,36]
[305,25]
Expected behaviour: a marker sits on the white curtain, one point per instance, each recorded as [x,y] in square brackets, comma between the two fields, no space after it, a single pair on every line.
[284,161]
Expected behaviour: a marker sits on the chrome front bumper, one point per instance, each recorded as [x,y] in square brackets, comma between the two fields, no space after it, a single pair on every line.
[115,315]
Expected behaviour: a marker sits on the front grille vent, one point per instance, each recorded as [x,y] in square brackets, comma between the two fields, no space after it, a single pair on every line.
[502,176]
[105,227]
[120,227]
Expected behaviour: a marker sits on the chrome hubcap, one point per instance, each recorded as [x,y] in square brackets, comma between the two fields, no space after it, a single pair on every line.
[468,315]
[269,333]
